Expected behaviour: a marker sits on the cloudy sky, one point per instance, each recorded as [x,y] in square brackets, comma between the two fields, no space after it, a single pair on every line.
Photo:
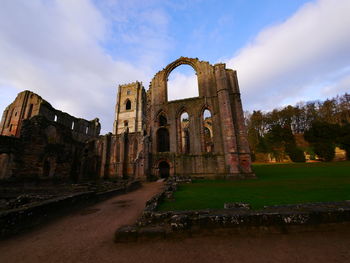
[74,53]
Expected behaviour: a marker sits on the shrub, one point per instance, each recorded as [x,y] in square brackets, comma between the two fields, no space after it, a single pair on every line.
[295,153]
[325,151]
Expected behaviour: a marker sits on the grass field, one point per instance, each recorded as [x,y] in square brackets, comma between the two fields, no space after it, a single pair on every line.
[276,184]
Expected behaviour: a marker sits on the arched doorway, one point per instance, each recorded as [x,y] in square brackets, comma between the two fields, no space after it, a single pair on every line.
[164,169]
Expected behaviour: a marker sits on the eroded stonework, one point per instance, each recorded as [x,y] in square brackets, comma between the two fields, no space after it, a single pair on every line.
[151,138]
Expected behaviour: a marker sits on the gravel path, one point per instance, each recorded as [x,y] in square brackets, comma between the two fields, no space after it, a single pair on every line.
[87,236]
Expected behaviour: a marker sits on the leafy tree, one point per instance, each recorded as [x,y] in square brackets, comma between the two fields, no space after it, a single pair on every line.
[322,122]
[344,139]
[322,136]
[296,154]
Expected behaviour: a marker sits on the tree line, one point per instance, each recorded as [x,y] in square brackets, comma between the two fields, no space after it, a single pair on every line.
[280,132]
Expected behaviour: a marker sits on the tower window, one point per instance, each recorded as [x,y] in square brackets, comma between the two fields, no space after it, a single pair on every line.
[128,92]
[126,123]
[128,105]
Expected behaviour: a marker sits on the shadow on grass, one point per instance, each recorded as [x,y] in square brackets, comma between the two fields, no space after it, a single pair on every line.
[277,184]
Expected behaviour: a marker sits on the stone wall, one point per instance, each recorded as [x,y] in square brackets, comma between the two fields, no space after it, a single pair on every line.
[21,219]
[121,155]
[130,95]
[149,139]
[28,104]
[238,218]
[45,149]
[218,93]
[9,146]
[133,150]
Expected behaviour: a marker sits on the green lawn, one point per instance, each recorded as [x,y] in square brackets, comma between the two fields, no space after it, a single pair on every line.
[276,184]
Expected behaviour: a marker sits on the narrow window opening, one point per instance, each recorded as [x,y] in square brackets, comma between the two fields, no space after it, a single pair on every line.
[128,105]
[208,132]
[55,118]
[126,123]
[73,125]
[30,111]
[185,133]
[162,120]
[9,121]
[86,130]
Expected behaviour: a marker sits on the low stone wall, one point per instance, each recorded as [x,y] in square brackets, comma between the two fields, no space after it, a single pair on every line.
[240,219]
[21,219]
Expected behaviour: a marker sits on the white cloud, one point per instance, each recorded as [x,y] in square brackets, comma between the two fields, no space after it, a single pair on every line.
[340,87]
[55,48]
[295,58]
[182,85]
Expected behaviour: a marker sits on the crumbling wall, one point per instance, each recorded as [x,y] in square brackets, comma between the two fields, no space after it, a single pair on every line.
[120,155]
[9,146]
[218,93]
[28,104]
[45,149]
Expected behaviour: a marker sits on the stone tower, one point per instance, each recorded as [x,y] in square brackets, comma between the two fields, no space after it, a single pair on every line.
[129,110]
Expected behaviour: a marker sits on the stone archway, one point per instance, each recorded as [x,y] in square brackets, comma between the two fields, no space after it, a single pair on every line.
[164,169]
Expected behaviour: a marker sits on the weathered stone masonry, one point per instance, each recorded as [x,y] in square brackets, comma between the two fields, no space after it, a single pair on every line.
[150,139]
[37,140]
[148,134]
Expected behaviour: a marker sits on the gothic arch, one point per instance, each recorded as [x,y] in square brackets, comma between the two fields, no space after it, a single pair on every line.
[168,70]
[181,61]
[181,110]
[158,166]
[159,120]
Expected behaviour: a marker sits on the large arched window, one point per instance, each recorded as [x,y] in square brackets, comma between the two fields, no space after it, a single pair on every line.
[182,83]
[128,105]
[163,142]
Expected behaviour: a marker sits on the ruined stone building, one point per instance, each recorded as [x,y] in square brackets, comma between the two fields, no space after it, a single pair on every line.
[152,137]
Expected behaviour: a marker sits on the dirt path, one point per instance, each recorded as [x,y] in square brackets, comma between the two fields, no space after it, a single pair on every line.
[87,236]
[80,235]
